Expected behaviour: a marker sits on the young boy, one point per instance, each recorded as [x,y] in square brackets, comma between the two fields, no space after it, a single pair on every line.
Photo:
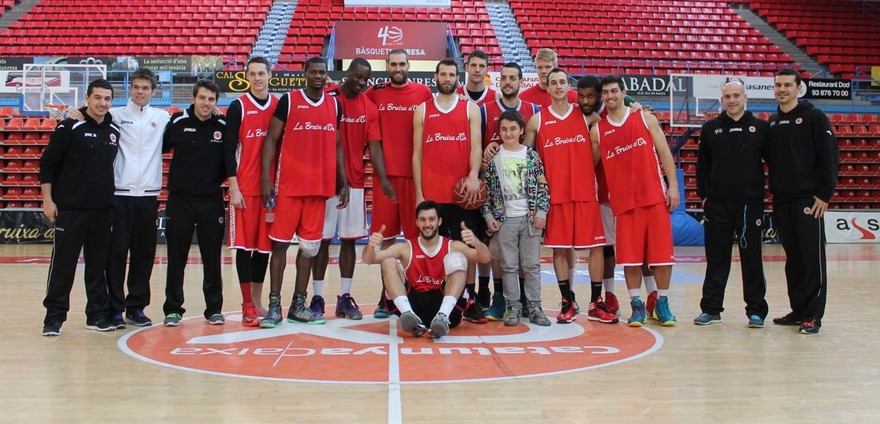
[517,212]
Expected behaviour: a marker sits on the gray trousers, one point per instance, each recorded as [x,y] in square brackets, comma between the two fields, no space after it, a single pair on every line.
[520,246]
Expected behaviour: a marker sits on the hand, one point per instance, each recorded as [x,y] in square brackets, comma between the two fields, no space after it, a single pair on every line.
[472,185]
[672,199]
[539,223]
[266,190]
[50,210]
[493,225]
[343,196]
[419,198]
[490,152]
[376,239]
[467,236]
[236,199]
[389,191]
[819,208]
[75,114]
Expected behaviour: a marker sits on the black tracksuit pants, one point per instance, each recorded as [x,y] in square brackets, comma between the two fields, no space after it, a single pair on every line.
[724,220]
[803,238]
[205,216]
[88,231]
[134,231]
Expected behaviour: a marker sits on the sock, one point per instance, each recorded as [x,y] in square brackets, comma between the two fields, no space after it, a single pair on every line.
[608,284]
[402,303]
[319,287]
[345,286]
[484,283]
[447,305]
[663,293]
[650,284]
[595,290]
[246,293]
[634,293]
[565,288]
[499,285]
[472,289]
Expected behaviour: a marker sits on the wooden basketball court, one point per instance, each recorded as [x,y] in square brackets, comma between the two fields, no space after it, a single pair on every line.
[724,373]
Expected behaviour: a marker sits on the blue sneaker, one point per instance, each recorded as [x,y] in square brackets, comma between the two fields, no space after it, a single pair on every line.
[756,321]
[381,312]
[640,314]
[498,310]
[706,318]
[662,312]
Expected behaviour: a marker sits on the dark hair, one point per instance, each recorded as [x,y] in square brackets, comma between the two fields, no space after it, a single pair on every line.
[447,62]
[589,81]
[613,79]
[477,54]
[427,205]
[314,61]
[145,74]
[206,84]
[514,65]
[258,59]
[789,71]
[99,83]
[553,71]
[512,116]
[359,61]
[397,51]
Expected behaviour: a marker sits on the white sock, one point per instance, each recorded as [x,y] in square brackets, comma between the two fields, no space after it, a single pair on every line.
[402,303]
[447,305]
[608,283]
[663,293]
[634,293]
[345,286]
[319,287]
[650,284]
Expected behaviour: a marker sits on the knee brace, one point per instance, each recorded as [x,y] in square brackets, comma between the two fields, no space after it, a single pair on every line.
[310,248]
[608,251]
[455,261]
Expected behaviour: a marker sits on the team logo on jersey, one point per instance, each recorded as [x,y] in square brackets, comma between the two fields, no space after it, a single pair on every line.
[396,108]
[758,222]
[310,126]
[443,137]
[153,124]
[719,131]
[798,121]
[124,122]
[559,141]
[113,139]
[806,211]
[752,129]
[217,135]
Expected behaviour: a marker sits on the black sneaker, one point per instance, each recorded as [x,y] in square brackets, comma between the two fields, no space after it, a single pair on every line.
[811,326]
[101,324]
[52,329]
[273,315]
[118,322]
[137,318]
[788,319]
[484,298]
[474,313]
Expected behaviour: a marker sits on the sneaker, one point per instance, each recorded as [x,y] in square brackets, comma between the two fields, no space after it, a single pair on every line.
[273,315]
[788,319]
[172,320]
[756,321]
[577,308]
[102,325]
[411,323]
[381,312]
[249,316]
[118,322]
[651,304]
[473,313]
[597,311]
[484,297]
[52,329]
[512,316]
[662,312]
[706,318]
[537,317]
[639,315]
[568,313]
[346,307]
[498,310]
[439,325]
[612,304]
[317,306]
[811,326]
[137,318]
[216,319]
[299,313]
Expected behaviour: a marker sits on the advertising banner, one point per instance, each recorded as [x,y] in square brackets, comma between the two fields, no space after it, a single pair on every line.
[852,227]
[373,40]
[284,81]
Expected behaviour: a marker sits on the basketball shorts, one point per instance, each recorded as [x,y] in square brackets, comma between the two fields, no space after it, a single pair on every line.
[298,216]
[395,215]
[351,221]
[453,215]
[248,229]
[644,234]
[609,224]
[575,225]
[426,305]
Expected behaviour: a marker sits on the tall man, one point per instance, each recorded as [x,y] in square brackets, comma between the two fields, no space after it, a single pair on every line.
[545,61]
[730,180]
[446,129]
[475,89]
[396,100]
[247,124]
[803,158]
[201,161]
[311,169]
[76,179]
[639,197]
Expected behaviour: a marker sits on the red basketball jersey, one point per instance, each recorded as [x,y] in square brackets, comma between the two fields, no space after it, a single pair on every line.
[396,106]
[563,143]
[425,270]
[487,97]
[446,149]
[359,124]
[255,119]
[307,162]
[490,113]
[630,161]
[542,98]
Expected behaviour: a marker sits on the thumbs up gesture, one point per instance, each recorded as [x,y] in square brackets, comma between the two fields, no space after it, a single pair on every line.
[467,236]
[377,238]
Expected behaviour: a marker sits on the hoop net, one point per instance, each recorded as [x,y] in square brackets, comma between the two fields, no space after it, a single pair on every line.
[56,111]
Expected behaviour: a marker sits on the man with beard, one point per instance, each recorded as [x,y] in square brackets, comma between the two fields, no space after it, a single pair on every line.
[475,89]
[545,61]
[396,100]
[428,286]
[446,129]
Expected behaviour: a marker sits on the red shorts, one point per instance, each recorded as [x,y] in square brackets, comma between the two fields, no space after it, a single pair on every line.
[574,225]
[248,229]
[300,216]
[395,215]
[645,234]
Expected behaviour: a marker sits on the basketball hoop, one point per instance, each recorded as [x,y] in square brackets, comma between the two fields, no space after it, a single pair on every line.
[56,111]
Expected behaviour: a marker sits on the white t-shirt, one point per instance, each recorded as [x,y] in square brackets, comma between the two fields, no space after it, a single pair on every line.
[512,167]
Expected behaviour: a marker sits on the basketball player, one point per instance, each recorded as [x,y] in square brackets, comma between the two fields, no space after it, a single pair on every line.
[638,195]
[429,285]
[475,89]
[559,134]
[545,61]
[311,169]
[247,123]
[446,129]
[396,100]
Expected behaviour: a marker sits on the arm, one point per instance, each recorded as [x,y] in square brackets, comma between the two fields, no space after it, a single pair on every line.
[372,253]
[594,141]
[230,145]
[704,165]
[50,162]
[542,195]
[418,129]
[341,179]
[270,145]
[473,181]
[167,143]
[532,131]
[490,176]
[377,158]
[829,162]
[479,253]
[672,197]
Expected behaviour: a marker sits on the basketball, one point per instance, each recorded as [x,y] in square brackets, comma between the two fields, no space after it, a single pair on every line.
[460,197]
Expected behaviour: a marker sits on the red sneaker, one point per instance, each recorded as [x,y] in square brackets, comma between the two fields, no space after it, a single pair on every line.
[598,312]
[612,304]
[649,305]
[249,315]
[568,313]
